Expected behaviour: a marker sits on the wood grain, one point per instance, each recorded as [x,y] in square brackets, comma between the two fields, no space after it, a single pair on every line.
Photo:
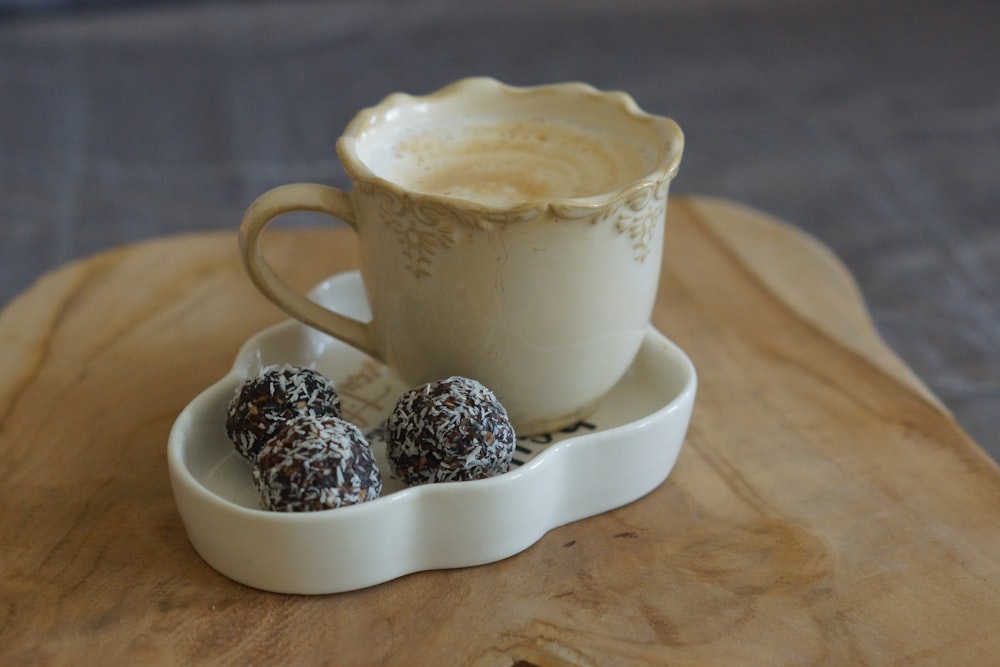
[825,509]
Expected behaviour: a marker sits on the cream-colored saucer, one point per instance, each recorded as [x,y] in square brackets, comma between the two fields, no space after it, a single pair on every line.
[624,450]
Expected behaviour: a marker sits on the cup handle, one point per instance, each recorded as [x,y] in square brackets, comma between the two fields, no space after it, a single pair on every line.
[267,207]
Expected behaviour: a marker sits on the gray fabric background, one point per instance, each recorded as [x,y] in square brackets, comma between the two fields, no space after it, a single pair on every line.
[873,125]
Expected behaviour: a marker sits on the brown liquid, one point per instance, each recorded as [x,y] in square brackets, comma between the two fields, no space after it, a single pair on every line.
[510,161]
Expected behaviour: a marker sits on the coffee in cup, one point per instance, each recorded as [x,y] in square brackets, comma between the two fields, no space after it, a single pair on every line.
[511,235]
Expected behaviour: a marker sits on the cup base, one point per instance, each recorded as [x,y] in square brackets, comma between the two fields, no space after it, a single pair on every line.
[537,427]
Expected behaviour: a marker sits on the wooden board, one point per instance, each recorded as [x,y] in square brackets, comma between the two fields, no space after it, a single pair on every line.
[825,508]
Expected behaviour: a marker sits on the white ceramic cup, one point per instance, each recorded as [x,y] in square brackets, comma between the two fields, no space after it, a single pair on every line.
[511,235]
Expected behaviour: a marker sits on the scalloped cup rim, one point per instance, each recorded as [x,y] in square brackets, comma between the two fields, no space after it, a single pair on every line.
[665,169]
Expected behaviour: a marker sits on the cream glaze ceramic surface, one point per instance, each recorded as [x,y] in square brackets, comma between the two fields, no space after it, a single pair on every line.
[625,449]
[546,302]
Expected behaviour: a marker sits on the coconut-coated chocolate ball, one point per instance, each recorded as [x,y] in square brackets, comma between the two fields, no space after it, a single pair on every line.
[264,403]
[450,430]
[316,463]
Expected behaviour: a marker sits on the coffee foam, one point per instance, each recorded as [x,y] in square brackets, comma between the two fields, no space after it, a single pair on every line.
[504,160]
